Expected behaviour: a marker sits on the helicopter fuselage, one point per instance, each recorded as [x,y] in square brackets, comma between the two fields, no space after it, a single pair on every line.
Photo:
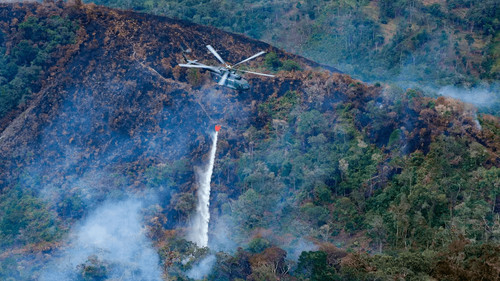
[233,81]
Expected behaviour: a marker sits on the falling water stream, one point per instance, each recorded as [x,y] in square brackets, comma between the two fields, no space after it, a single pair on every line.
[199,227]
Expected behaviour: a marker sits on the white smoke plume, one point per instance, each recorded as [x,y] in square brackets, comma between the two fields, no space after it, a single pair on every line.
[199,225]
[295,249]
[202,269]
[477,96]
[222,235]
[110,244]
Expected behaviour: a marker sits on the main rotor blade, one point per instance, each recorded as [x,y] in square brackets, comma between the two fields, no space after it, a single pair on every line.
[199,66]
[257,73]
[213,51]
[250,58]
[222,81]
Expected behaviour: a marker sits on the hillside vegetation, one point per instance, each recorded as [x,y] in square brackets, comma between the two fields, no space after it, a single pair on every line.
[438,42]
[318,176]
[39,43]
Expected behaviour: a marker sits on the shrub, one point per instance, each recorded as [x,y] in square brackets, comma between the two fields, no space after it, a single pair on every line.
[258,245]
[290,65]
[272,61]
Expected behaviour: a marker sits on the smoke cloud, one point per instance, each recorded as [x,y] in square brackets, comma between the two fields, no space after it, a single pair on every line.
[484,97]
[109,244]
[202,269]
[295,249]
[221,234]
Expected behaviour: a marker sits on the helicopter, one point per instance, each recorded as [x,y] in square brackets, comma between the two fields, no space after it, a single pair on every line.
[225,74]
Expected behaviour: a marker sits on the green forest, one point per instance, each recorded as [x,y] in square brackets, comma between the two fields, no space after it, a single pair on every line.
[22,69]
[424,214]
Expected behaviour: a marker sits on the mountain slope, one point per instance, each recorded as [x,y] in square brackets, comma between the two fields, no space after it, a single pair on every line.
[102,40]
[305,161]
[391,41]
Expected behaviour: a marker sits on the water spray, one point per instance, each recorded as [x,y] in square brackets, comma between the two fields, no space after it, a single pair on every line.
[199,224]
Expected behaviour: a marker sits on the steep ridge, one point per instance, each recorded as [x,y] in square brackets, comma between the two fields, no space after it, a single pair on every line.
[125,72]
[116,115]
